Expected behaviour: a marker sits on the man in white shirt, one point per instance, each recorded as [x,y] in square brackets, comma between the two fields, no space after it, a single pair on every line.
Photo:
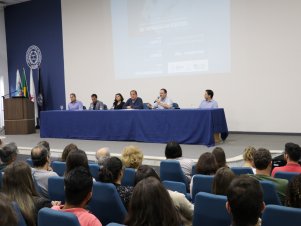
[163,102]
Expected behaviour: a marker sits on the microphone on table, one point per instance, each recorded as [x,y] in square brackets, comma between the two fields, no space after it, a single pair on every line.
[156,99]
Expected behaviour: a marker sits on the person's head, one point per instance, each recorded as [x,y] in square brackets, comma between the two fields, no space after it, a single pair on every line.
[94,98]
[245,200]
[78,186]
[220,156]
[75,159]
[112,171]
[208,94]
[145,171]
[45,144]
[118,97]
[8,153]
[151,205]
[173,150]
[102,155]
[133,94]
[40,156]
[206,164]
[248,155]
[292,152]
[262,159]
[18,185]
[163,93]
[293,192]
[222,180]
[69,148]
[72,97]
[8,216]
[132,157]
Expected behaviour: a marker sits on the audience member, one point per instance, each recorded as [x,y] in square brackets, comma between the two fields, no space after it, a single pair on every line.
[45,144]
[132,157]
[75,104]
[78,192]
[101,155]
[18,185]
[96,104]
[173,150]
[183,206]
[41,170]
[134,102]
[206,164]
[69,148]
[263,164]
[245,201]
[292,154]
[248,158]
[293,192]
[1,143]
[112,172]
[220,157]
[76,159]
[151,205]
[222,181]
[8,155]
[8,216]
[162,102]
[208,102]
[118,101]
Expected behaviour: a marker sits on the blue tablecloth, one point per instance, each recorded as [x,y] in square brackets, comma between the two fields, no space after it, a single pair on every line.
[193,126]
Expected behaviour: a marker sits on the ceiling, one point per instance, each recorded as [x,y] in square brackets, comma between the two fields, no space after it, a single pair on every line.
[10,2]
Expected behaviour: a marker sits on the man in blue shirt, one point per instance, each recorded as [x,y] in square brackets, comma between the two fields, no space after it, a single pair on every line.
[208,102]
[74,105]
[134,102]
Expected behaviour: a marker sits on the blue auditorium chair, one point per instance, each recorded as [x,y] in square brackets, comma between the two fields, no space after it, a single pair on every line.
[59,167]
[275,215]
[175,106]
[29,162]
[128,177]
[106,204]
[201,183]
[242,170]
[50,217]
[176,186]
[56,189]
[286,175]
[94,169]
[193,170]
[21,220]
[210,210]
[115,224]
[270,195]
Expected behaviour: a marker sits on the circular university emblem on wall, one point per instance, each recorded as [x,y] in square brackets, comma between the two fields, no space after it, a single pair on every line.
[33,57]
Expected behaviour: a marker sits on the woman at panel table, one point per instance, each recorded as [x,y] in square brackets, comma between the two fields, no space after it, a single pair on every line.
[118,102]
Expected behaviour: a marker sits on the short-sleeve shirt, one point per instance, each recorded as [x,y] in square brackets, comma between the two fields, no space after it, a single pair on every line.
[166,100]
[208,104]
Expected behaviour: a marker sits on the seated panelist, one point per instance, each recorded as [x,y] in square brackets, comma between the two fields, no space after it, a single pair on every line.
[118,102]
[134,102]
[208,102]
[162,102]
[74,105]
[96,104]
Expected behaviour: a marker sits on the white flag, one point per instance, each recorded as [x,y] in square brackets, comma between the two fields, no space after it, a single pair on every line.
[32,94]
[18,84]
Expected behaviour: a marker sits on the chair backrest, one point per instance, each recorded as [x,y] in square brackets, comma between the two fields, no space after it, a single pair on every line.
[59,167]
[275,215]
[210,210]
[50,217]
[115,224]
[128,177]
[175,186]
[193,170]
[106,203]
[94,169]
[171,170]
[56,189]
[242,170]
[105,107]
[145,106]
[175,106]
[270,195]
[201,183]
[21,220]
[286,175]
[29,162]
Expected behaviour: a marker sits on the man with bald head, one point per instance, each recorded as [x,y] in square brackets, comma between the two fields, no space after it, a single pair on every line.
[101,155]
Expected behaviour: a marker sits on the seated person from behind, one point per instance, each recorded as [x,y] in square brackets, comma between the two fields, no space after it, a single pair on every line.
[134,102]
[208,102]
[292,154]
[78,192]
[118,102]
[96,104]
[163,102]
[8,154]
[102,155]
[74,105]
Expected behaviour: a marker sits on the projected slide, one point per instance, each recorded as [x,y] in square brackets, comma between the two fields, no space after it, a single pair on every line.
[153,38]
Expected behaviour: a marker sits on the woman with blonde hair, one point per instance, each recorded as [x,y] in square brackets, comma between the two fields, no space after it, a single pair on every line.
[248,157]
[132,157]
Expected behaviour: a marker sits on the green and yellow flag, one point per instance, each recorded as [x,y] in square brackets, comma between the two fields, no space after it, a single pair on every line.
[24,85]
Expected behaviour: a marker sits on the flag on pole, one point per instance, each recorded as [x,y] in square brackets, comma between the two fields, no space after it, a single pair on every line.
[19,91]
[32,94]
[24,85]
[40,97]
